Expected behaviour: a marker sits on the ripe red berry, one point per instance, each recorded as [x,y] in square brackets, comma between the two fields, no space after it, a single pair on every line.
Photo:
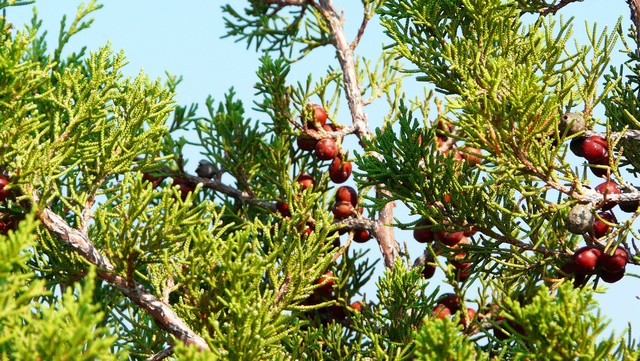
[342,210]
[609,277]
[361,236]
[576,146]
[184,186]
[347,194]
[306,142]
[326,282]
[441,311]
[306,181]
[608,188]
[429,270]
[339,171]
[423,234]
[585,259]
[4,193]
[327,149]
[614,263]
[450,301]
[600,228]
[595,148]
[357,306]
[473,156]
[283,208]
[462,270]
[465,320]
[449,238]
[319,114]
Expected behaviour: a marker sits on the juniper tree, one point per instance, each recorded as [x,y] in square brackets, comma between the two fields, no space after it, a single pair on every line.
[114,245]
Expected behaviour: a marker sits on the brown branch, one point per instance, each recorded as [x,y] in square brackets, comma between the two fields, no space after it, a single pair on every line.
[162,354]
[383,231]
[634,6]
[161,312]
[555,8]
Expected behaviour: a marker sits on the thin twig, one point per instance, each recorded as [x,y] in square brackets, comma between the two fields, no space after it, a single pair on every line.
[162,354]
[554,9]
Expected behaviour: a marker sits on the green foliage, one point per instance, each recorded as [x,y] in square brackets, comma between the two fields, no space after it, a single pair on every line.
[217,263]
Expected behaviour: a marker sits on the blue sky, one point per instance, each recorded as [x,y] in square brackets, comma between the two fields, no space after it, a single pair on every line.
[184,38]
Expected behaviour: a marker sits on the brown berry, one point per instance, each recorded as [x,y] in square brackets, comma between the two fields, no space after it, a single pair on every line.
[451,301]
[184,186]
[465,320]
[580,219]
[357,306]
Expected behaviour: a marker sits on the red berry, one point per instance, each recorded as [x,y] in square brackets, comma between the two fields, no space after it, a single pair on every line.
[4,193]
[347,194]
[306,181]
[450,238]
[319,114]
[326,283]
[465,320]
[462,270]
[441,311]
[155,181]
[473,156]
[609,277]
[283,208]
[429,270]
[595,148]
[339,171]
[306,143]
[327,149]
[608,188]
[576,146]
[342,210]
[600,229]
[450,301]
[614,263]
[585,259]
[357,306]
[423,234]
[184,187]
[361,236]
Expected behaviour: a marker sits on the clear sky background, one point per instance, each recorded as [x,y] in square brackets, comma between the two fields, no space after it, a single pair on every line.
[184,38]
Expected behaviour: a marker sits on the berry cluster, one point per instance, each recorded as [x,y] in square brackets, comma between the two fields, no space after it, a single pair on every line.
[590,260]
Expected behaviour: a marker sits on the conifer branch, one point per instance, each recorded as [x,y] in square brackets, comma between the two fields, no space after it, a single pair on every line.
[80,242]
